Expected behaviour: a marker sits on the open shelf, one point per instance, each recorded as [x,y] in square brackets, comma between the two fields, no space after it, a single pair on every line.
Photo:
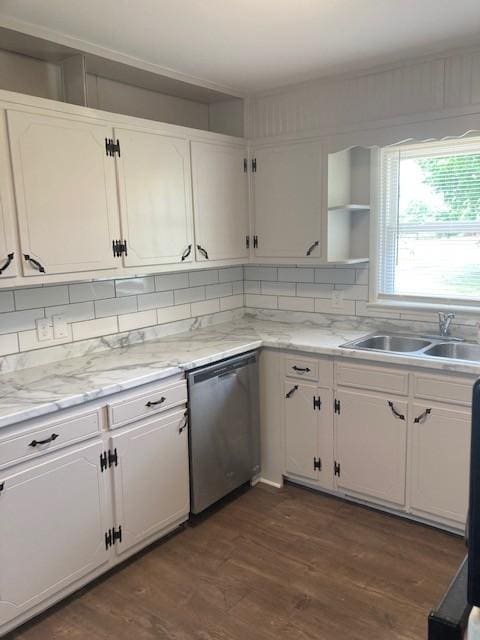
[349,261]
[348,206]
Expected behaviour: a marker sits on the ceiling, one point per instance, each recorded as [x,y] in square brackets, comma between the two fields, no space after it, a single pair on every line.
[251,45]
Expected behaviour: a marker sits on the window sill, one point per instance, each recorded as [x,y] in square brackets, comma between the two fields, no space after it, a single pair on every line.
[404,306]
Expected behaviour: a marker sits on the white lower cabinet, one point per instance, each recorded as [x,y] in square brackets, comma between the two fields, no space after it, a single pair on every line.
[68,515]
[382,435]
[308,432]
[151,487]
[370,445]
[440,461]
[53,515]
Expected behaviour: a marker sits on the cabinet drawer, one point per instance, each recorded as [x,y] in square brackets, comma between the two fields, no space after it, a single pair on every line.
[443,388]
[375,378]
[318,369]
[139,405]
[31,442]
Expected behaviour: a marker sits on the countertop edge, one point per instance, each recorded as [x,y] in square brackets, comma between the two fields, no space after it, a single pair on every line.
[395,359]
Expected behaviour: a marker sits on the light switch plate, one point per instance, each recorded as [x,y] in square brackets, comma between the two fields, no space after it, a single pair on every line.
[60,328]
[44,329]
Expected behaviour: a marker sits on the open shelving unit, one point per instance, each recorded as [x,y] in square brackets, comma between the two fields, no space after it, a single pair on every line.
[349,206]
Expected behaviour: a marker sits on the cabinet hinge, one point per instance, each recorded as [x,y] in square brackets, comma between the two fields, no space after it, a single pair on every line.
[336,469]
[108,459]
[113,458]
[103,461]
[317,464]
[317,403]
[255,242]
[254,165]
[112,147]
[336,407]
[112,536]
[247,242]
[119,248]
[245,165]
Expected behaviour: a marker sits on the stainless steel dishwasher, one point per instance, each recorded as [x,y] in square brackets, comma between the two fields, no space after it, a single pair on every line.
[224,428]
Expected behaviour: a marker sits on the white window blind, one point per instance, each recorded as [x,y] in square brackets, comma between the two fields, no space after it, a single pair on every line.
[429,221]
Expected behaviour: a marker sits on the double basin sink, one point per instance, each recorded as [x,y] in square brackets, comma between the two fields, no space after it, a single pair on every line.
[418,346]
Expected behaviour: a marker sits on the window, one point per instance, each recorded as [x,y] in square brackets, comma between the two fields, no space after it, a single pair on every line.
[429,222]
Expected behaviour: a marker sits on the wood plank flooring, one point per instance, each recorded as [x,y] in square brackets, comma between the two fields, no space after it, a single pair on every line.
[284,564]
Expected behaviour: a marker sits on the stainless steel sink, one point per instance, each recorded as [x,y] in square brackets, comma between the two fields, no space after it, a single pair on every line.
[417,346]
[399,344]
[455,350]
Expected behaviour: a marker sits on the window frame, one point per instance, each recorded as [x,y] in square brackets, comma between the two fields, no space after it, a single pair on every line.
[399,302]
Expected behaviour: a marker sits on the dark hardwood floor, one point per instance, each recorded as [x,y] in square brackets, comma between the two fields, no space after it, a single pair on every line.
[284,564]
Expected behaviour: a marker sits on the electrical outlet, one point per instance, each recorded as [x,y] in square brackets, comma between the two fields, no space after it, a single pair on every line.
[44,329]
[60,328]
[337,299]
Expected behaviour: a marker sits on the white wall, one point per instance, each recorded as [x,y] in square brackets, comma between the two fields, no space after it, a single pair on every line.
[429,88]
[31,76]
[118,97]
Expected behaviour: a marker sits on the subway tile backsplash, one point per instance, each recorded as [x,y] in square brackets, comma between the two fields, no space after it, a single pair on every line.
[306,289]
[96,309]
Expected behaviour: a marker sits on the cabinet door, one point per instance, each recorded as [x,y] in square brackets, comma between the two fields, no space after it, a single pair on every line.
[301,429]
[287,201]
[66,193]
[151,484]
[440,461]
[53,518]
[155,198]
[370,445]
[8,254]
[220,201]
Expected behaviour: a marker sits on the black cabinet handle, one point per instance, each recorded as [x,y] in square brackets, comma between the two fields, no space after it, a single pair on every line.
[396,413]
[202,251]
[185,422]
[35,443]
[187,252]
[7,262]
[312,247]
[423,416]
[292,391]
[35,264]
[301,369]
[153,403]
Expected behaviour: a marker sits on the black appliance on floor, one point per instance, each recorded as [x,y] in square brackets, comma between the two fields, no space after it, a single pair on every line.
[449,620]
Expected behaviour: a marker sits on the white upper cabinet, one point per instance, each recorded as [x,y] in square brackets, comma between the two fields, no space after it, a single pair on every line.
[220,199]
[155,198]
[287,202]
[9,258]
[66,193]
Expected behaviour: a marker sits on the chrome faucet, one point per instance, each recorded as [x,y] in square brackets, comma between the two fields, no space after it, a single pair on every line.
[444,322]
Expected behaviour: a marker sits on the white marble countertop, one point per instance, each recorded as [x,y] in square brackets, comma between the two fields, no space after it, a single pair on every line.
[41,390]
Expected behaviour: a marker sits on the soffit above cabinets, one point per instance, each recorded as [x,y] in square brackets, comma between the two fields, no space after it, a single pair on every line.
[251,45]
[137,75]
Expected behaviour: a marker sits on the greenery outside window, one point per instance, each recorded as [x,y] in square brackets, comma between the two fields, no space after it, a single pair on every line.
[429,222]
